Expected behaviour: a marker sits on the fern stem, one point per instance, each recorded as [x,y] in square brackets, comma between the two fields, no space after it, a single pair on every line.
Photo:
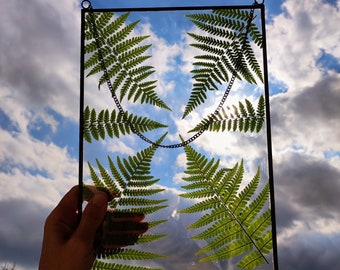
[239,223]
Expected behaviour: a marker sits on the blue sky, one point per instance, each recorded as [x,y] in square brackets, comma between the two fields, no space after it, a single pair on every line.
[39,95]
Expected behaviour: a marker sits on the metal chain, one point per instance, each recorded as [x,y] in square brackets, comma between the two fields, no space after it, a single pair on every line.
[87,5]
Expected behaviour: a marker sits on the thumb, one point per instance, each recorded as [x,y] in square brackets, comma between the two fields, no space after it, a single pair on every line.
[92,218]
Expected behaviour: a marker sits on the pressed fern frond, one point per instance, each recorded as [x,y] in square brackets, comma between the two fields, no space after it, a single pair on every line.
[131,182]
[236,222]
[226,51]
[243,118]
[123,57]
[114,124]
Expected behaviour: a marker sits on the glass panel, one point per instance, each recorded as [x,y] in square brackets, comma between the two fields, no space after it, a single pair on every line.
[168,143]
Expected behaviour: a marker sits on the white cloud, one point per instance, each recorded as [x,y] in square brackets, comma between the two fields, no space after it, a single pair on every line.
[120,147]
[295,38]
[19,185]
[178,178]
[18,114]
[41,70]
[312,112]
[163,57]
[37,155]
[181,160]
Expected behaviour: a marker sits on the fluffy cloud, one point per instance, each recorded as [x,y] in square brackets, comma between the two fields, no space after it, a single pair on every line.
[314,111]
[295,40]
[43,62]
[163,57]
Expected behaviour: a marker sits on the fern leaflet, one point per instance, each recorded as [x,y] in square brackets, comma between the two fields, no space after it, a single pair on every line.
[133,254]
[100,265]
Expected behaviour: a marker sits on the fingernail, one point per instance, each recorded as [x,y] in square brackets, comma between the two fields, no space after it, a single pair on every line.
[99,199]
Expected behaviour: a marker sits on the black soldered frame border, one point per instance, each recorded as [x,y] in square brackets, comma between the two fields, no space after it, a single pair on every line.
[256,5]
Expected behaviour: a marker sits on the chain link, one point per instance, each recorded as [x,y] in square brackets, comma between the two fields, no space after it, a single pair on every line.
[87,5]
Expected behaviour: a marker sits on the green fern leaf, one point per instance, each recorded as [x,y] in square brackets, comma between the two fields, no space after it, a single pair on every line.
[153,224]
[96,180]
[244,118]
[130,180]
[260,112]
[93,130]
[114,124]
[123,57]
[86,121]
[233,224]
[241,14]
[139,201]
[148,238]
[256,35]
[255,207]
[243,197]
[227,51]
[108,180]
[219,220]
[141,192]
[199,207]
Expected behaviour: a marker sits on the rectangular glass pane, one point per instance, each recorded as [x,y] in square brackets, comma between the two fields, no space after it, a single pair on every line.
[188,166]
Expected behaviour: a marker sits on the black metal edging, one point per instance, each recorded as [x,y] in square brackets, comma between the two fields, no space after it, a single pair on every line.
[81,115]
[269,139]
[256,6]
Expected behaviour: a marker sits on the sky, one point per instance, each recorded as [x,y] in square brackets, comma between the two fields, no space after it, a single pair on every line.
[39,114]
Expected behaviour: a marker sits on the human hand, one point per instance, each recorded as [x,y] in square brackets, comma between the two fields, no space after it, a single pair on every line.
[67,246]
[101,232]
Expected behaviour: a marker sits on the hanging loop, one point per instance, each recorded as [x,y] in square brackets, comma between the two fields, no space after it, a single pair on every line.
[86,4]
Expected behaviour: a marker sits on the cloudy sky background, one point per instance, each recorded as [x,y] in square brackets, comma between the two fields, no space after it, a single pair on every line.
[39,88]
